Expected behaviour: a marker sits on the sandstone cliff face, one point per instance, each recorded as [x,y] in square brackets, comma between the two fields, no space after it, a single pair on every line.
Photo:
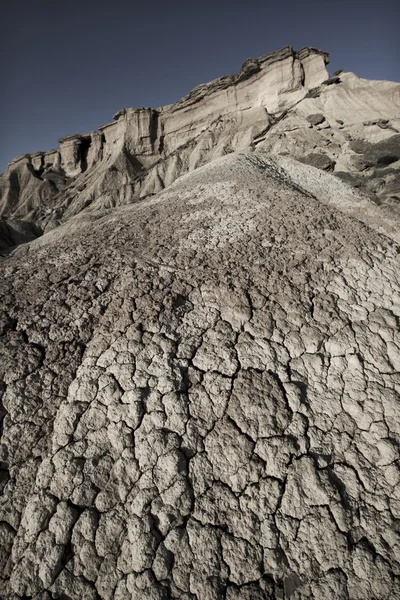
[266,106]
[144,150]
[200,357]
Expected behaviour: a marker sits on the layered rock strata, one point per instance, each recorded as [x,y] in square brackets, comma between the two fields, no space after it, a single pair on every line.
[200,356]
[282,103]
[144,150]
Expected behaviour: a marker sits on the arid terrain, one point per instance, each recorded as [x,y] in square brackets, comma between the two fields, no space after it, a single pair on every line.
[200,352]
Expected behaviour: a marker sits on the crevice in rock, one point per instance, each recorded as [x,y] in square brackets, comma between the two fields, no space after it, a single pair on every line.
[84,147]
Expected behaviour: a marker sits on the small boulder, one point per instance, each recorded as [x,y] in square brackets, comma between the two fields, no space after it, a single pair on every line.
[331,81]
[383,123]
[320,161]
[315,119]
[313,93]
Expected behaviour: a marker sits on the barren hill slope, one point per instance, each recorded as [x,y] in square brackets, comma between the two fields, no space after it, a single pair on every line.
[200,352]
[200,396]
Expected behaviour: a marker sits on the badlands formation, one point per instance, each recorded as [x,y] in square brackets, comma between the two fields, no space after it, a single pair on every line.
[200,350]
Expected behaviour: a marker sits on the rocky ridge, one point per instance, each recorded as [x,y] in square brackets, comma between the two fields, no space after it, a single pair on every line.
[283,103]
[200,386]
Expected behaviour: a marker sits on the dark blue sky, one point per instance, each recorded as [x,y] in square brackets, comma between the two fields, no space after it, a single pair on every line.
[68,65]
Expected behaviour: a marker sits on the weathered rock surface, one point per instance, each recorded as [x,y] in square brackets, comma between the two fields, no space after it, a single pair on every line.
[344,125]
[283,103]
[204,404]
[144,150]
[200,384]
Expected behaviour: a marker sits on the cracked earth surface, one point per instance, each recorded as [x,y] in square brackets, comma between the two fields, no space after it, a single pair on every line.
[200,399]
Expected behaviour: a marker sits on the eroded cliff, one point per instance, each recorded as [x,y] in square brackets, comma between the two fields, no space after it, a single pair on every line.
[144,150]
[282,103]
[199,367]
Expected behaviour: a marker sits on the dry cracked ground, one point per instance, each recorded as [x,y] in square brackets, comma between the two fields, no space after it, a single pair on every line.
[200,398]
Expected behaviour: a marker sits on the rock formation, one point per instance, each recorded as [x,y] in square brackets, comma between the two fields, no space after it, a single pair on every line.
[200,356]
[282,103]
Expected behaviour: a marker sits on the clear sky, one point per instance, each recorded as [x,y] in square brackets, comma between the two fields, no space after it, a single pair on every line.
[68,65]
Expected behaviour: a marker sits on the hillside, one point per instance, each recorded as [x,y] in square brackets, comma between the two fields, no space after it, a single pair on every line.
[282,103]
[200,356]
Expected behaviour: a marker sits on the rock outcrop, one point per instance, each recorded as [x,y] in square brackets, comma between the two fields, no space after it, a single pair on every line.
[144,150]
[200,384]
[283,103]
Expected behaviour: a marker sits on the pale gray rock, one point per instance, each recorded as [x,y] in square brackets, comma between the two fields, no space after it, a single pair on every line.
[199,389]
[143,150]
[269,105]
